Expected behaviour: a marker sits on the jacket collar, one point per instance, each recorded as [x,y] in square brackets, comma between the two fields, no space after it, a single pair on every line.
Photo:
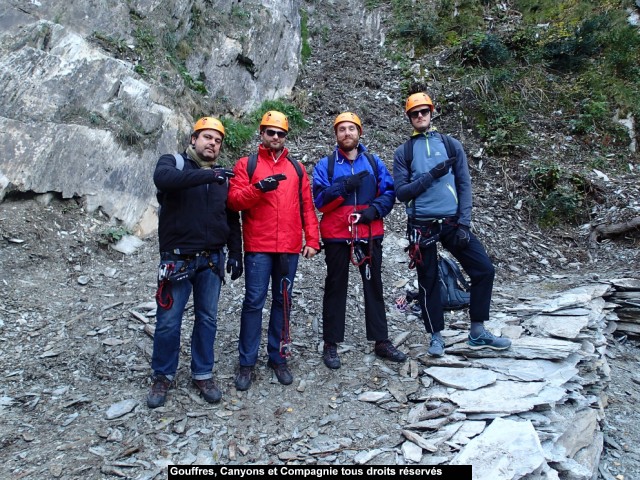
[266,153]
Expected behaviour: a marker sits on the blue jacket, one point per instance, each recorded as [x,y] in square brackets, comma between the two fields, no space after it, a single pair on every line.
[193,213]
[447,196]
[336,205]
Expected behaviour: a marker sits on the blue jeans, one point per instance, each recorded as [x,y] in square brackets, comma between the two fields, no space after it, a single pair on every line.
[205,284]
[259,269]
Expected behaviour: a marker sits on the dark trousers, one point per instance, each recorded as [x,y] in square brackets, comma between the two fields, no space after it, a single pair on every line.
[334,302]
[475,262]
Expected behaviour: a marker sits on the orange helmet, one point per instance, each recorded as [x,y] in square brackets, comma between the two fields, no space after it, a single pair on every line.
[418,99]
[209,123]
[348,117]
[274,119]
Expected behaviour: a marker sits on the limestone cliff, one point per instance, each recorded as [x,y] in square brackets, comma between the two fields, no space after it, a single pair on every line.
[91,93]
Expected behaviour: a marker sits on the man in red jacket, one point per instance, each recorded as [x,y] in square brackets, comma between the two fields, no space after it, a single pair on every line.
[277,208]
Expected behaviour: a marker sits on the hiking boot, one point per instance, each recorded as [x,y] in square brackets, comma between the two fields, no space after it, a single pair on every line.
[386,349]
[488,340]
[244,378]
[436,348]
[209,390]
[282,372]
[330,355]
[158,393]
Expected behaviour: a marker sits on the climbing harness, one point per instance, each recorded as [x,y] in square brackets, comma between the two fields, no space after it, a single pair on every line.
[423,234]
[168,274]
[163,294]
[358,256]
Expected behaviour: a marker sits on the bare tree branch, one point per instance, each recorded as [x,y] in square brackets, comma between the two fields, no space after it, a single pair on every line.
[608,231]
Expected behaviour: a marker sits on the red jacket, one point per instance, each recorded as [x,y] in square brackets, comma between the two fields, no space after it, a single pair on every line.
[271,221]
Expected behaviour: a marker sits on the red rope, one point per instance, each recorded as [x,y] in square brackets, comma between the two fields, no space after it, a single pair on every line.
[163,295]
[415,255]
[285,335]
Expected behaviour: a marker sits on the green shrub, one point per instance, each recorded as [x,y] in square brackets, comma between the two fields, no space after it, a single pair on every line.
[237,134]
[544,177]
[501,127]
[145,39]
[484,50]
[622,52]
[297,122]
[558,197]
[424,34]
[113,235]
[570,53]
[563,205]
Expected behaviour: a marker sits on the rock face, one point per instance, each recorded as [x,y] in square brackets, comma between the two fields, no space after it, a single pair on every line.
[81,113]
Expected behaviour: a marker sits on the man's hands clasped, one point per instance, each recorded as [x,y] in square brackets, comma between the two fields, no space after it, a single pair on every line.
[270,183]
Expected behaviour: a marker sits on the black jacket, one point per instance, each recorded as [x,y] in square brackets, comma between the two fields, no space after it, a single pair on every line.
[193,210]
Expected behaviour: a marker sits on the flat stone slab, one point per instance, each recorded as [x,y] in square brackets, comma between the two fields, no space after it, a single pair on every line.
[525,347]
[567,326]
[507,397]
[462,378]
[507,449]
[555,372]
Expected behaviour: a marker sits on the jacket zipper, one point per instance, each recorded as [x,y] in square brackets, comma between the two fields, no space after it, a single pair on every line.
[453,191]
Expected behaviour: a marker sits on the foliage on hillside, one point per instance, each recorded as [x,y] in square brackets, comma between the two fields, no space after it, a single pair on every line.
[574,65]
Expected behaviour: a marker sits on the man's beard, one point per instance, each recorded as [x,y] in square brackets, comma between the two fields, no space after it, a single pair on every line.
[347,145]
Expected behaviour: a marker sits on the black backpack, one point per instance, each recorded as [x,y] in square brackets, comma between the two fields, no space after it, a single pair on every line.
[180,166]
[332,164]
[454,288]
[408,149]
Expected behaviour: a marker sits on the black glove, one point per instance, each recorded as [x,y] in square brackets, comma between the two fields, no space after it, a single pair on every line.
[442,168]
[234,267]
[368,215]
[462,237]
[220,175]
[270,183]
[353,181]
[427,178]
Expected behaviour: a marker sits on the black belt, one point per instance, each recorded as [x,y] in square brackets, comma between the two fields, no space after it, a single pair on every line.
[427,222]
[184,256]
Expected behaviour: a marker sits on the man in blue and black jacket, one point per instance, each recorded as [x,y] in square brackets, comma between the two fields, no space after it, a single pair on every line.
[353,190]
[195,227]
[432,178]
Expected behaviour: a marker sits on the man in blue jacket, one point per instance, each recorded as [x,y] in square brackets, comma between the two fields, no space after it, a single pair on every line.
[436,188]
[194,228]
[353,190]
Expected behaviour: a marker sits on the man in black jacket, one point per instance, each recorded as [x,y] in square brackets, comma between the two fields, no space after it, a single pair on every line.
[194,228]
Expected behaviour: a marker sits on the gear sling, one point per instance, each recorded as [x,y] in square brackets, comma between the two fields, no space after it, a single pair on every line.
[358,256]
[423,233]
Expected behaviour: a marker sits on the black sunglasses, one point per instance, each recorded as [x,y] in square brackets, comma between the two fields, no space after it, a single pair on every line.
[273,133]
[424,112]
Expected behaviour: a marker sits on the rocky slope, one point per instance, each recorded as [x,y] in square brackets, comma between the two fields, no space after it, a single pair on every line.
[76,317]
